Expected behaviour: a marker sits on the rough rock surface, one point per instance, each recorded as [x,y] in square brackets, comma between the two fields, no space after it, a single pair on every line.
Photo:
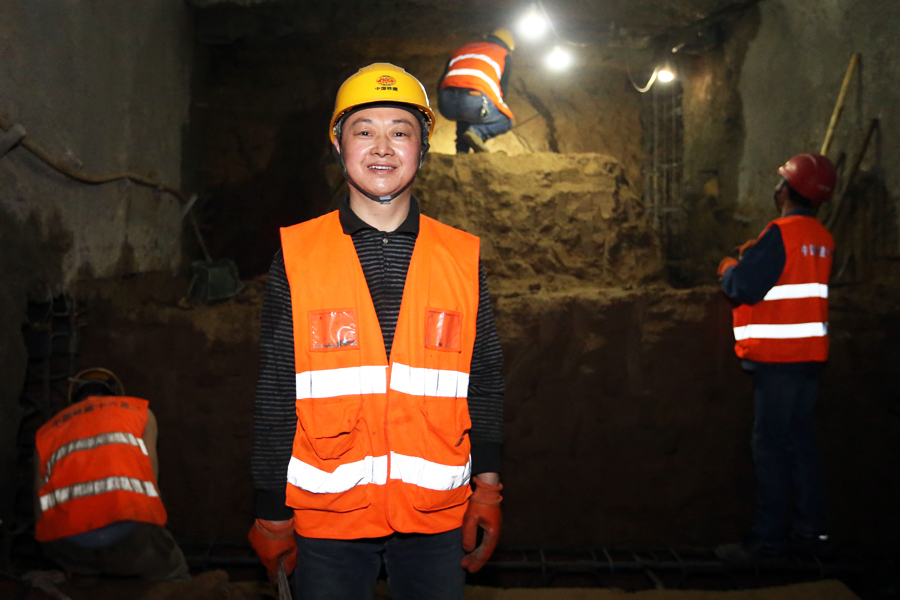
[550,221]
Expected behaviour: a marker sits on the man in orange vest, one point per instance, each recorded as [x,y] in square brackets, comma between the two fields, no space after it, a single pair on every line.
[96,494]
[781,334]
[472,90]
[379,402]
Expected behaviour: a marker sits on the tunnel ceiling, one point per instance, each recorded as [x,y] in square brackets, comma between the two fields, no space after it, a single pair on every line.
[585,21]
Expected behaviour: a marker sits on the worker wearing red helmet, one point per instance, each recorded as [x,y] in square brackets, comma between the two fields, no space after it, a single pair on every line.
[780,281]
[379,403]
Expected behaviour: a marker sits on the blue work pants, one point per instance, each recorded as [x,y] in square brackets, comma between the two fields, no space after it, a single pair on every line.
[788,468]
[418,566]
[475,111]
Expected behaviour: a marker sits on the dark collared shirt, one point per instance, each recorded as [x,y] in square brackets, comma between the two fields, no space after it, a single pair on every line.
[384,257]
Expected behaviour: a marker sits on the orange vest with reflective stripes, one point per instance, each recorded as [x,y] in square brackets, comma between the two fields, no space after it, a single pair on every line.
[791,323]
[479,66]
[380,447]
[95,468]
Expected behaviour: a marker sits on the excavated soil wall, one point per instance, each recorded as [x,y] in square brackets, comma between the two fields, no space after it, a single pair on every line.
[627,416]
[551,220]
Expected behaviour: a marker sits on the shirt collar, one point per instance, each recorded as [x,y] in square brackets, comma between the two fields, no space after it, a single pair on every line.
[351,223]
[801,212]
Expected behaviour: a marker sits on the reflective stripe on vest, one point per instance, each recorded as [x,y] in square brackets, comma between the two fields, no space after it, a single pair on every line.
[429,382]
[374,470]
[498,96]
[781,332]
[480,75]
[89,443]
[370,470]
[490,61]
[97,487]
[429,475]
[797,290]
[330,383]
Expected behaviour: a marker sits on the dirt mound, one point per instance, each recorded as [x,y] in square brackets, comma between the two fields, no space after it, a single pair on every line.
[546,221]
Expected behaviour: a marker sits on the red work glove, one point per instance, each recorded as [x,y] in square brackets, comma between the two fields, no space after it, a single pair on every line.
[744,247]
[274,542]
[483,511]
[726,264]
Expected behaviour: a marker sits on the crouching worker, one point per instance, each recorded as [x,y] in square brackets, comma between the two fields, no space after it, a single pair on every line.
[96,497]
[380,400]
[472,90]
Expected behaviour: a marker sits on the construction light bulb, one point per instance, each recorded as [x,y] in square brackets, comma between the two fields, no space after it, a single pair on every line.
[665,75]
[533,25]
[558,59]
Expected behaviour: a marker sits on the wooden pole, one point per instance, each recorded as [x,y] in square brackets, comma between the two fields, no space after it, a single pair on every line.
[838,208]
[839,106]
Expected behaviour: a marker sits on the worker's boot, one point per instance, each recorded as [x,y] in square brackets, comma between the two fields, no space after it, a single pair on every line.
[815,544]
[752,551]
[474,141]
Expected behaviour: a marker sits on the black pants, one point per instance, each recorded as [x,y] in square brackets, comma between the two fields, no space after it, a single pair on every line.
[788,468]
[419,567]
[149,552]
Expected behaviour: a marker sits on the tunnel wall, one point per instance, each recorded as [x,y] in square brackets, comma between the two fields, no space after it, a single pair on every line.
[790,81]
[105,90]
[103,87]
[768,93]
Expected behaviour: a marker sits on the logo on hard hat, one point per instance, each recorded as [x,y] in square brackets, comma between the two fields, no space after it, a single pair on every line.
[386,80]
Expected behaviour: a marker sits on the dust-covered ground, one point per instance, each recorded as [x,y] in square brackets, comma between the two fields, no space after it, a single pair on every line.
[215,585]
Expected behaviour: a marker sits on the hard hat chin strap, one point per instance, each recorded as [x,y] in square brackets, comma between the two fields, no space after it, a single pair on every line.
[381,199]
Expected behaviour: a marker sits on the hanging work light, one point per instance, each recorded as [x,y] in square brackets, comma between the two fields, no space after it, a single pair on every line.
[533,25]
[558,59]
[665,75]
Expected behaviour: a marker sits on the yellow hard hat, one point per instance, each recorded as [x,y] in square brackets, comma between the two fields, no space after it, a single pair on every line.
[380,82]
[96,375]
[507,37]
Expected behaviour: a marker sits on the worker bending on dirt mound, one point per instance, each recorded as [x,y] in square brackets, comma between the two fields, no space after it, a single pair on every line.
[379,393]
[96,494]
[472,89]
[781,334]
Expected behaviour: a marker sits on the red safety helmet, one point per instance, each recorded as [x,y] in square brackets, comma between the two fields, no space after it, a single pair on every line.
[810,175]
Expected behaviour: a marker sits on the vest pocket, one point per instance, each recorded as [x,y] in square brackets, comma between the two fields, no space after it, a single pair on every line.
[331,424]
[443,330]
[444,479]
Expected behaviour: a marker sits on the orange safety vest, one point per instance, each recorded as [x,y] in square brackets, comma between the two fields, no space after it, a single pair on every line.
[380,447]
[95,468]
[479,66]
[791,323]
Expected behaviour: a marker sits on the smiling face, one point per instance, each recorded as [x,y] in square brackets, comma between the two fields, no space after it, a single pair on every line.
[381,148]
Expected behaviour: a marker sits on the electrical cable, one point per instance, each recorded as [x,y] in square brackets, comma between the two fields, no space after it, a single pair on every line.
[79,175]
[650,83]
